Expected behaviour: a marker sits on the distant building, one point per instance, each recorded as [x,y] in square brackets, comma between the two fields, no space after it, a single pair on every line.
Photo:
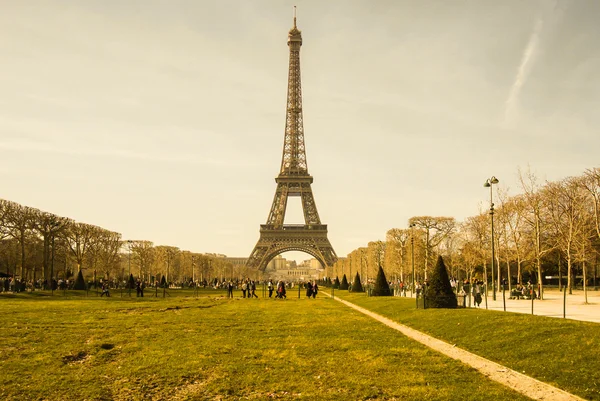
[280,268]
[276,263]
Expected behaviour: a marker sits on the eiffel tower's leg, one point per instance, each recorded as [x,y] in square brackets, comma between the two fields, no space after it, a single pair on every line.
[277,213]
[311,216]
[258,255]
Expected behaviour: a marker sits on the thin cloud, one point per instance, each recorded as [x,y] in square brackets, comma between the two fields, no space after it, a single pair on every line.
[118,153]
[527,61]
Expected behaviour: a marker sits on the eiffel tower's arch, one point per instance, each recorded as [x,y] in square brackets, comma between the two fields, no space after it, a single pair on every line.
[281,250]
[310,239]
[293,180]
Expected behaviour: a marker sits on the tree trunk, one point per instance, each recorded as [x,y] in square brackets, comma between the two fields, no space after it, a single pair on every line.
[499,268]
[585,298]
[46,258]
[595,270]
[508,272]
[485,277]
[569,279]
[560,286]
[426,253]
[401,265]
[540,283]
[22,254]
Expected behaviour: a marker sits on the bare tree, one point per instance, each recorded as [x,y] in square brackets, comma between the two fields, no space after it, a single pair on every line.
[436,230]
[591,183]
[108,244]
[79,237]
[4,220]
[476,233]
[49,226]
[168,256]
[566,207]
[144,254]
[19,223]
[375,256]
[534,219]
[396,249]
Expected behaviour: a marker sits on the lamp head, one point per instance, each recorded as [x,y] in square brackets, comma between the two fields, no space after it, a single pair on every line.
[487,184]
[494,180]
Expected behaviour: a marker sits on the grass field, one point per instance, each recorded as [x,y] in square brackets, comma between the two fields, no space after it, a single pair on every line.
[186,348]
[565,353]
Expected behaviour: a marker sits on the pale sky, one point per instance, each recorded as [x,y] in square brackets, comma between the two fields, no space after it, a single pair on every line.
[164,120]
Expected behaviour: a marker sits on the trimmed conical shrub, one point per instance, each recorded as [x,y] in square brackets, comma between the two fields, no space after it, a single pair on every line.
[439,292]
[382,288]
[80,282]
[336,283]
[356,285]
[344,283]
[163,282]
[131,282]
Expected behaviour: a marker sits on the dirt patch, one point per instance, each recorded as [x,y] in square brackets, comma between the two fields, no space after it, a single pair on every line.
[79,357]
[152,388]
[176,308]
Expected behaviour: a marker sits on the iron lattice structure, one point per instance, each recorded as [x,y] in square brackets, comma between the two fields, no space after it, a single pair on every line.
[293,180]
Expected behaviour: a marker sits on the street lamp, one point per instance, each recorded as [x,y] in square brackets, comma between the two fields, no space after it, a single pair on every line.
[193,275]
[490,183]
[412,254]
[129,274]
[53,227]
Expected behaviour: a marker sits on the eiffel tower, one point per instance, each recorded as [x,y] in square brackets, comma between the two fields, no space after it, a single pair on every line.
[293,180]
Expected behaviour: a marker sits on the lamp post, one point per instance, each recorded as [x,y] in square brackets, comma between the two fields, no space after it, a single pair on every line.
[490,183]
[193,275]
[129,273]
[412,255]
[52,267]
[53,227]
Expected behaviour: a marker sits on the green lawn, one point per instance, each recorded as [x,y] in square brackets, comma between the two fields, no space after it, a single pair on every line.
[564,353]
[183,348]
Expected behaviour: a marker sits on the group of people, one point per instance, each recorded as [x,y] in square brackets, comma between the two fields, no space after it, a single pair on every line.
[311,289]
[280,289]
[523,291]
[12,284]
[248,286]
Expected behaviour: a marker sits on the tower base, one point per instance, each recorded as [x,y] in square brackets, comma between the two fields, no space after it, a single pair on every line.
[275,240]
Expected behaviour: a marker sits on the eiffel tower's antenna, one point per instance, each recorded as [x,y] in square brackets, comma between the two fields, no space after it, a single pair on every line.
[294,16]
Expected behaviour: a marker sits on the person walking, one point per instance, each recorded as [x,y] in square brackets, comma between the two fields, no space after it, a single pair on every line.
[309,289]
[230,289]
[477,293]
[270,287]
[281,290]
[315,289]
[244,287]
[105,290]
[253,286]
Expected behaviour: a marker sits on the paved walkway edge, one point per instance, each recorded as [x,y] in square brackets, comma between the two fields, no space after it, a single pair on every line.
[526,385]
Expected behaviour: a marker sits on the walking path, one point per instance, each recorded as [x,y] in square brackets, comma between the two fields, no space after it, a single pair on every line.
[552,305]
[526,385]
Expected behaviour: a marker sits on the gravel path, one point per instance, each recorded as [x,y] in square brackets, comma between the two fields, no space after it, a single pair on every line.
[526,385]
